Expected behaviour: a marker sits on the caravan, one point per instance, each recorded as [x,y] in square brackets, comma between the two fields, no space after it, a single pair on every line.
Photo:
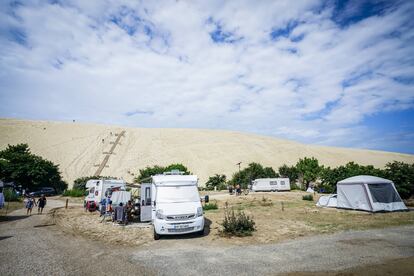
[99,188]
[270,185]
[172,202]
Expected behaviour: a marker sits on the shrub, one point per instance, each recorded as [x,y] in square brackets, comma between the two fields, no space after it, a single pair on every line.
[307,197]
[80,183]
[10,195]
[239,224]
[294,186]
[74,193]
[266,202]
[210,206]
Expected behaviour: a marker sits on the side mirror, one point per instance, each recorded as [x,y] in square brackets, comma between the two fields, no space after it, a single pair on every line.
[206,198]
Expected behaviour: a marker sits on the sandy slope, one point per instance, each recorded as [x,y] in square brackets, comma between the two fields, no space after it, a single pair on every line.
[78,147]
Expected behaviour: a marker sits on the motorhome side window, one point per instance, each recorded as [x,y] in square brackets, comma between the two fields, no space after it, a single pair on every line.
[282,182]
[273,182]
[148,196]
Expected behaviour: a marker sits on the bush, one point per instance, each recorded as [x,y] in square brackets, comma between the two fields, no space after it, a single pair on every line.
[294,186]
[80,183]
[10,195]
[239,224]
[210,206]
[307,197]
[74,193]
[146,173]
[266,202]
[30,171]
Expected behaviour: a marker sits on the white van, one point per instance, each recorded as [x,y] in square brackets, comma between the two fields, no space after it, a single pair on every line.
[172,203]
[270,185]
[98,188]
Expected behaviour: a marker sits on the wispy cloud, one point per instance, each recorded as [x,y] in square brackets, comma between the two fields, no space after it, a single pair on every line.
[312,71]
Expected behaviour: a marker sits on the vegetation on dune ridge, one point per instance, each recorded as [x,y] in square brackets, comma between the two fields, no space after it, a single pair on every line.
[30,171]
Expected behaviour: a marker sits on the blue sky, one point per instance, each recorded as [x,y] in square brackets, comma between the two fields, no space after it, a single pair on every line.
[337,73]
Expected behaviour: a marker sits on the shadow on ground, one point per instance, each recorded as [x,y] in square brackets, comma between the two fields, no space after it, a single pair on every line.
[12,218]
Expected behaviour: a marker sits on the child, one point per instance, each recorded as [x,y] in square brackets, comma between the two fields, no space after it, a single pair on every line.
[29,205]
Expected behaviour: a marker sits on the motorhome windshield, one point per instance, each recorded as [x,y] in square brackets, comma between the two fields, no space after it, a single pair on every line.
[172,194]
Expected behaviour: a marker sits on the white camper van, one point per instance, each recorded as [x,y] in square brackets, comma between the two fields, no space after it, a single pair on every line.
[98,188]
[172,203]
[270,185]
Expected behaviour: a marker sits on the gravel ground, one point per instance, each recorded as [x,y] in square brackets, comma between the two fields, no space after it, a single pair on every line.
[33,245]
[321,253]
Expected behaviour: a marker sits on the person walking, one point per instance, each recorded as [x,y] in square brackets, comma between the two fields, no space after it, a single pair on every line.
[29,205]
[238,190]
[41,204]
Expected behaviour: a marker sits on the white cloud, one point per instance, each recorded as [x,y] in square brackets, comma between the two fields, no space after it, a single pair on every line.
[154,64]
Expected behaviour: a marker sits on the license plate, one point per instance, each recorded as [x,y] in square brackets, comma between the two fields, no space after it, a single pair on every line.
[181,226]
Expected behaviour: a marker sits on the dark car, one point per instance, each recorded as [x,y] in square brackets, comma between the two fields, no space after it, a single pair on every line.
[47,191]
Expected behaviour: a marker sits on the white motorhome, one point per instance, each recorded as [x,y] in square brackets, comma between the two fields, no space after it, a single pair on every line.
[172,203]
[98,188]
[270,185]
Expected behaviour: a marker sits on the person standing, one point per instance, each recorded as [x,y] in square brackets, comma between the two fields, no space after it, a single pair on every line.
[41,204]
[29,205]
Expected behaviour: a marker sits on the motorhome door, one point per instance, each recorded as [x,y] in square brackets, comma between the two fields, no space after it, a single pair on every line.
[146,208]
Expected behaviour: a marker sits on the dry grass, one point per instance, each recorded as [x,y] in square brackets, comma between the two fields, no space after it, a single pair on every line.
[10,207]
[278,216]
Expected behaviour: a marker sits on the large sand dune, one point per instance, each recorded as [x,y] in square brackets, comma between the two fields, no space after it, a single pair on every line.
[78,148]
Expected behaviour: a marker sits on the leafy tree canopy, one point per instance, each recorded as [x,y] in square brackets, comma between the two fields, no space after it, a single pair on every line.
[20,166]
[308,169]
[252,172]
[289,172]
[402,174]
[154,170]
[218,180]
[80,183]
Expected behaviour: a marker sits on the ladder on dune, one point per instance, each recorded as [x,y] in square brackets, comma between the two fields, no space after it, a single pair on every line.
[108,154]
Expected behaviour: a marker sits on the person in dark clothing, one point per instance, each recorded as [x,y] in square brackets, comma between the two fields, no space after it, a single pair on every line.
[41,203]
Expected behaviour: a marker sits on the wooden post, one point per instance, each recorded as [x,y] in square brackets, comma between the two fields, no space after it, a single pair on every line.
[283,207]
[66,205]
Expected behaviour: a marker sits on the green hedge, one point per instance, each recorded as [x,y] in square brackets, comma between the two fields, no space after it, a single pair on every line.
[10,195]
[74,193]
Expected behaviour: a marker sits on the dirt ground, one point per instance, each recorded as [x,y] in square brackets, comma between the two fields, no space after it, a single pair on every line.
[399,267]
[278,216]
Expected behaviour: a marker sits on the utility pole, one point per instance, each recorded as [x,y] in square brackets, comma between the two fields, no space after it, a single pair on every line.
[238,164]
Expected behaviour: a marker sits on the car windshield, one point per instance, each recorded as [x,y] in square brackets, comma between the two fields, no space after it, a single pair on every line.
[173,194]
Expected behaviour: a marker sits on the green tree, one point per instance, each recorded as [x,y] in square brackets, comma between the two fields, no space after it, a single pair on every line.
[218,181]
[402,174]
[252,172]
[80,183]
[289,172]
[329,177]
[308,169]
[146,173]
[20,166]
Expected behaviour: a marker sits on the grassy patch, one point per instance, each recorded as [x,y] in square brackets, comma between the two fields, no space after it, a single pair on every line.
[210,206]
[74,193]
[307,197]
[10,207]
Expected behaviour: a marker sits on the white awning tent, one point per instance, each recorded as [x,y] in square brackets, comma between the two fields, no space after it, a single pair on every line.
[328,201]
[369,193]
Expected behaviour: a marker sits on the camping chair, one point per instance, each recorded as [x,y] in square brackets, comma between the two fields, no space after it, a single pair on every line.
[107,214]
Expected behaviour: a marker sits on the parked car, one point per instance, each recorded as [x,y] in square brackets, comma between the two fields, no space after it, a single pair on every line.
[47,191]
